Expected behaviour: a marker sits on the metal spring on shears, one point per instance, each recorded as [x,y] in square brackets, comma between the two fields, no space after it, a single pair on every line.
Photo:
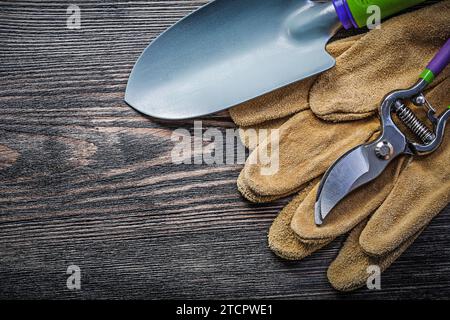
[407,116]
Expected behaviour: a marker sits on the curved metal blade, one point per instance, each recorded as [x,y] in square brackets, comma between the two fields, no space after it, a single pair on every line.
[229,52]
[354,169]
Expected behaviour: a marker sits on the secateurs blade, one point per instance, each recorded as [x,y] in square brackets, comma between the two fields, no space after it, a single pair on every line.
[366,162]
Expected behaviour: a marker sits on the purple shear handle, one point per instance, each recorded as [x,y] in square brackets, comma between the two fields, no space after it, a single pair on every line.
[344,14]
[440,60]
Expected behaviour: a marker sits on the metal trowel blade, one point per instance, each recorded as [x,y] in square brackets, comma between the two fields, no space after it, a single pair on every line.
[228,52]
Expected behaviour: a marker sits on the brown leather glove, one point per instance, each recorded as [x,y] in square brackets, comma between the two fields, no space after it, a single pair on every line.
[375,64]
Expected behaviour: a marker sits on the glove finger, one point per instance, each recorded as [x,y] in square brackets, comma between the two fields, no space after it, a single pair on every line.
[252,136]
[392,57]
[337,48]
[349,271]
[249,194]
[273,105]
[285,101]
[306,148]
[420,193]
[283,241]
[353,209]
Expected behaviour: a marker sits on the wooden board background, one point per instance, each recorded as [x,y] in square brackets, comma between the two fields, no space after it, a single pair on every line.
[86,180]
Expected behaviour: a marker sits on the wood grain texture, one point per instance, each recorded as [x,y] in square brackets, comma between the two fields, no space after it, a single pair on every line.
[86,180]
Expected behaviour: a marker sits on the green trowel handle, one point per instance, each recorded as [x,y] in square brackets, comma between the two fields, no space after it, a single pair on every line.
[358,12]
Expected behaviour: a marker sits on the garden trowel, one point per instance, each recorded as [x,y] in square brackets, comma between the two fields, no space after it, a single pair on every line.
[231,51]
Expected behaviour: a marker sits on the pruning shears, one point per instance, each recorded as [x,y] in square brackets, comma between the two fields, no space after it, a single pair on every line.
[366,162]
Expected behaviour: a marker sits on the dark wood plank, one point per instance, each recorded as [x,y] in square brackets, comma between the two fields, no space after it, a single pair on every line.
[86,180]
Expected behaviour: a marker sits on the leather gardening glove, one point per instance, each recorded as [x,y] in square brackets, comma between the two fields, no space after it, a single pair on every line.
[304,139]
[384,217]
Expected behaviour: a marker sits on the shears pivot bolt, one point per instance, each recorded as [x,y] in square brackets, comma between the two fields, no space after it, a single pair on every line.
[419,100]
[384,150]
